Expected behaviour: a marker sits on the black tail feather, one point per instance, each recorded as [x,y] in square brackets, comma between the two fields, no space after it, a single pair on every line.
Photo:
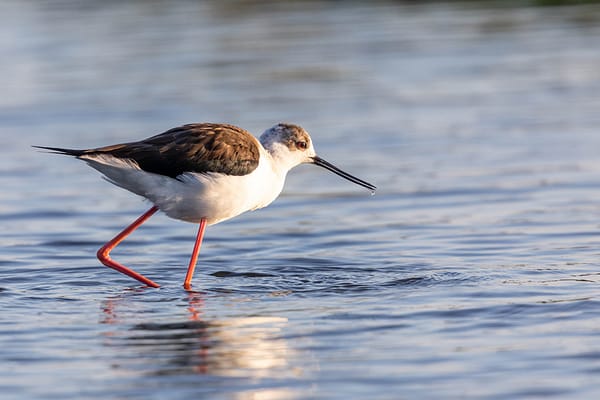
[58,150]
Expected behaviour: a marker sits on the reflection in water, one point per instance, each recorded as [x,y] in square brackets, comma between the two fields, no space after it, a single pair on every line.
[249,347]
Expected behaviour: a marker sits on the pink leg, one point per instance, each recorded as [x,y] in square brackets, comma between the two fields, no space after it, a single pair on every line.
[187,284]
[104,257]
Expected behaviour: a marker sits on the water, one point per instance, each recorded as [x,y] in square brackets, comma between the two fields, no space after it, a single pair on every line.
[472,273]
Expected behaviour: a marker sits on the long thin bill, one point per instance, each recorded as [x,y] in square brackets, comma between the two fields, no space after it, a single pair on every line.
[322,163]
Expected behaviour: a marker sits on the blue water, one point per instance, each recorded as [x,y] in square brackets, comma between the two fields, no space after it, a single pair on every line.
[474,272]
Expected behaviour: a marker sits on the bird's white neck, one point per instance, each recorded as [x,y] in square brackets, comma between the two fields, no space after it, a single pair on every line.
[281,162]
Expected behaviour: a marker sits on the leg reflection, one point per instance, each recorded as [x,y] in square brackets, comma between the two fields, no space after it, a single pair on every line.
[143,342]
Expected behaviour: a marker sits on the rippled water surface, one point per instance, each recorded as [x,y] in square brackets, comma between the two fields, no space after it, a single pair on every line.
[474,272]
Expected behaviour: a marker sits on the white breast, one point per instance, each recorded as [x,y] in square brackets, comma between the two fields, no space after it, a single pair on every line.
[193,196]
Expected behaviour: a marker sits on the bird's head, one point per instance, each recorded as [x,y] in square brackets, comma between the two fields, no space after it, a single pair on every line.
[290,145]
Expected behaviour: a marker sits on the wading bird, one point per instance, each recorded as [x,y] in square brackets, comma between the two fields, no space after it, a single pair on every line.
[202,173]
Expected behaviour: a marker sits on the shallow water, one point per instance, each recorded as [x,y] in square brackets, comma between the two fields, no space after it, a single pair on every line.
[472,273]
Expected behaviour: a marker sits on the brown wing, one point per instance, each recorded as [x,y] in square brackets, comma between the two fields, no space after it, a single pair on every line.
[191,148]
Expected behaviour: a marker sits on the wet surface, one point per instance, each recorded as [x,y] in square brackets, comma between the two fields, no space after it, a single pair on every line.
[473,272]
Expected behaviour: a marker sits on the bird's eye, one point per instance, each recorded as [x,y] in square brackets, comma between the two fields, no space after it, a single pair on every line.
[301,145]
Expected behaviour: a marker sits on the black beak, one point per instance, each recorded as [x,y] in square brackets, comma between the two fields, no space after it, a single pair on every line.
[322,163]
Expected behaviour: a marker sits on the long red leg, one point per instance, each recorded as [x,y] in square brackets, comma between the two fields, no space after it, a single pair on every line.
[187,284]
[104,257]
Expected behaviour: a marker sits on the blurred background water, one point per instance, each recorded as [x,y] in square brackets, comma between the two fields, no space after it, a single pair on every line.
[472,273]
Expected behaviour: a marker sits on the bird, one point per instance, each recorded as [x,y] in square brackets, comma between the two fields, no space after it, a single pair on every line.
[202,173]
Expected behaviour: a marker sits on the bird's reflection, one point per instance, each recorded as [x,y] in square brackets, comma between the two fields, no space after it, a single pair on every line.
[242,346]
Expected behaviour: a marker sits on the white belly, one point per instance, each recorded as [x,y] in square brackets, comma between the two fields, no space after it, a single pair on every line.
[214,196]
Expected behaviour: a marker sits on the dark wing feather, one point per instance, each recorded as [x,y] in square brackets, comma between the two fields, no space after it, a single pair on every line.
[191,148]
